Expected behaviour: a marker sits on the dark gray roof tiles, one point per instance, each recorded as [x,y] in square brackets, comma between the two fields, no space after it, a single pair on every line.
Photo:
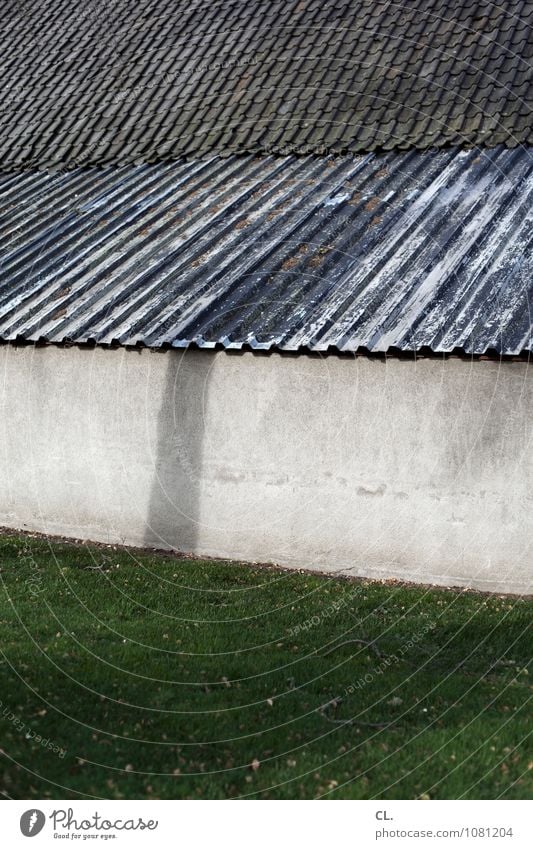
[126,82]
[397,251]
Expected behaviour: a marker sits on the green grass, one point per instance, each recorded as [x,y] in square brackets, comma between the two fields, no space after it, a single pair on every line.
[159,677]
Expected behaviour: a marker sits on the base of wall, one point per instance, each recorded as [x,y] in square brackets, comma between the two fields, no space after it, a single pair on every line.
[413,470]
[141,550]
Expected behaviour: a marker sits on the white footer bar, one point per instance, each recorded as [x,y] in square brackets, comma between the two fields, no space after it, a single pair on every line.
[268,824]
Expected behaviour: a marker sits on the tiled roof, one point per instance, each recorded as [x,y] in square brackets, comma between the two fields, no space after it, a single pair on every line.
[151,80]
[406,251]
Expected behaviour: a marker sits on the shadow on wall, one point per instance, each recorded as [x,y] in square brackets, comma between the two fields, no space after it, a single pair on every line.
[174,509]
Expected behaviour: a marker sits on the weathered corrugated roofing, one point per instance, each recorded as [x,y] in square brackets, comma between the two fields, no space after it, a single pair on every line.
[153,80]
[393,251]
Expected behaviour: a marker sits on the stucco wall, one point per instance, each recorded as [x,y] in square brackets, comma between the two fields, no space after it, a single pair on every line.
[416,470]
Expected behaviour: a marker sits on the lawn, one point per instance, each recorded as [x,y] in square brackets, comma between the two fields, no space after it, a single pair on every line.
[126,674]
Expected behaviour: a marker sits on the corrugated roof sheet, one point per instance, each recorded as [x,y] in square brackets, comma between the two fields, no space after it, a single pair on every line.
[376,252]
[153,80]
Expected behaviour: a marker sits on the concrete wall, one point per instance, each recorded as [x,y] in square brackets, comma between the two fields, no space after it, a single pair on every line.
[414,470]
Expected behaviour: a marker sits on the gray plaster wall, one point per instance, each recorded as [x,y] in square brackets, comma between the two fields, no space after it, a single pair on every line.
[414,470]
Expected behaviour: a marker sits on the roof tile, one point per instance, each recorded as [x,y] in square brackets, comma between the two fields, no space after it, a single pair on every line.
[122,81]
